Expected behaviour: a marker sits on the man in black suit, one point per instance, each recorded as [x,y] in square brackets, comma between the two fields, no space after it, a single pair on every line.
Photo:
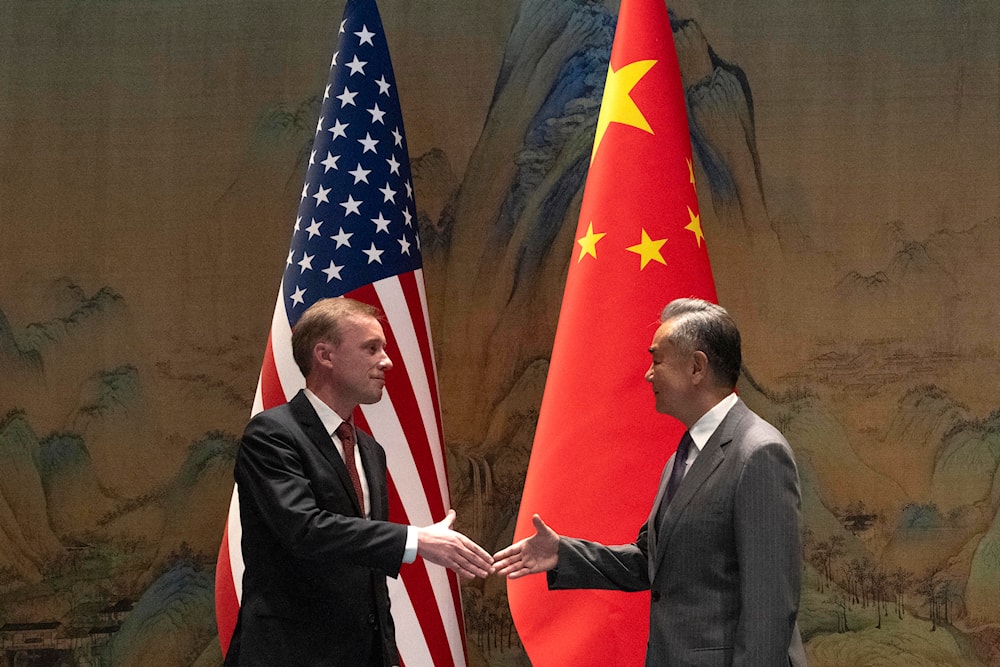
[316,543]
[721,549]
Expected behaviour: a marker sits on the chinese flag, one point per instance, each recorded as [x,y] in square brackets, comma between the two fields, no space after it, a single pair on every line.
[600,446]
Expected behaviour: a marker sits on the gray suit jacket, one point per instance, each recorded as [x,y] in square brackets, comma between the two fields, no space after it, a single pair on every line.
[722,561]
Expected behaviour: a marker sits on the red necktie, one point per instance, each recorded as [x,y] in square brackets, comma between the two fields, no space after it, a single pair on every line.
[346,434]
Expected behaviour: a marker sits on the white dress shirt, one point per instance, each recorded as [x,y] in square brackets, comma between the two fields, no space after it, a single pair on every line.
[704,428]
[331,421]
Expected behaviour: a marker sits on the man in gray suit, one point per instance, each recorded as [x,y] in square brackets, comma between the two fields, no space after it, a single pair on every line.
[721,549]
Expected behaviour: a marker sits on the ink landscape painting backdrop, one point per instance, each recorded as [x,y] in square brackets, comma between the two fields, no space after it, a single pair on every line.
[847,158]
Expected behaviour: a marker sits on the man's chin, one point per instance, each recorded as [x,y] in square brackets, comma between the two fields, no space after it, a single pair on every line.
[372,398]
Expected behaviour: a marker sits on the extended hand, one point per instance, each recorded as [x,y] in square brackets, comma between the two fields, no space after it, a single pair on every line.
[538,553]
[443,546]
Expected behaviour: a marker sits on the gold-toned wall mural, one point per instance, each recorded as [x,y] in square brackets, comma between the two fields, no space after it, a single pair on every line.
[151,158]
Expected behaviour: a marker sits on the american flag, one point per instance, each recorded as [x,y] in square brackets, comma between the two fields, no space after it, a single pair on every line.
[355,235]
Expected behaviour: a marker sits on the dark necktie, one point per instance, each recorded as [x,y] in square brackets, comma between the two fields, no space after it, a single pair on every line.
[680,463]
[346,434]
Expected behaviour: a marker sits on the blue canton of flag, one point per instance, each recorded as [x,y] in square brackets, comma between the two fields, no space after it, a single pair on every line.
[356,222]
[356,235]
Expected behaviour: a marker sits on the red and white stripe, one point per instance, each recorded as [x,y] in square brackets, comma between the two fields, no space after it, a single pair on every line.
[426,604]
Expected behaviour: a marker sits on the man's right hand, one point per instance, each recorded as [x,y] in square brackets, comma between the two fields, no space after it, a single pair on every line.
[538,553]
[441,545]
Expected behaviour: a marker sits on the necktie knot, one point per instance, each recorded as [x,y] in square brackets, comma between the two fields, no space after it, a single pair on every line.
[684,447]
[345,432]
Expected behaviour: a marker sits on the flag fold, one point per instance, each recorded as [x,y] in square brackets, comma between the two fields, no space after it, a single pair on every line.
[599,446]
[355,235]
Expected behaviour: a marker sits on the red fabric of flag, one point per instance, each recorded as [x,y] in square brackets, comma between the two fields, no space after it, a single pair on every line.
[600,446]
[356,235]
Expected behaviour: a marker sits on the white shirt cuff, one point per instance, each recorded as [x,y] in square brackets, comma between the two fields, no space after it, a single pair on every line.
[410,553]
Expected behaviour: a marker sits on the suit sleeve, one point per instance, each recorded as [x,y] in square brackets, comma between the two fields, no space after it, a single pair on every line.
[768,541]
[273,479]
[584,564]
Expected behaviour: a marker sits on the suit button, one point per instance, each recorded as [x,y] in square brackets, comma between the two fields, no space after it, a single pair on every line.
[371,620]
[655,596]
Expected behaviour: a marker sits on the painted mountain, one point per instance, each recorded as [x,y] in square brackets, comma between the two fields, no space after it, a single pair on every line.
[898,466]
[122,387]
[104,559]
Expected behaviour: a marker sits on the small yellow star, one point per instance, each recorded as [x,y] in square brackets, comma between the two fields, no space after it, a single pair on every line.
[588,243]
[648,250]
[695,226]
[691,170]
[617,105]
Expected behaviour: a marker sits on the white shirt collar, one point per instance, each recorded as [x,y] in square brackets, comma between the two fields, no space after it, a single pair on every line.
[331,420]
[705,427]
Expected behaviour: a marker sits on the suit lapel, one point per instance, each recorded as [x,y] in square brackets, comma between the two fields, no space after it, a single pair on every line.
[313,427]
[706,463]
[374,474]
[652,523]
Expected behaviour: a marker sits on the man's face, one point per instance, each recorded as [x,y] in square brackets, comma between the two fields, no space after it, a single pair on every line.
[669,373]
[360,361]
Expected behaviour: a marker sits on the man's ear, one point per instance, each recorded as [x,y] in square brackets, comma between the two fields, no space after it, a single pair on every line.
[699,367]
[323,353]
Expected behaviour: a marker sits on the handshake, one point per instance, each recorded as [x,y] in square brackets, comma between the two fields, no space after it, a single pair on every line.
[444,546]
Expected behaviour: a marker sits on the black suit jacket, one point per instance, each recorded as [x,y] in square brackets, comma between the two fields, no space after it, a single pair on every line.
[314,589]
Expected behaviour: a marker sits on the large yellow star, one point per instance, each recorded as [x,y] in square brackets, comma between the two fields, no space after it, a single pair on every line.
[648,250]
[616,105]
[695,226]
[588,243]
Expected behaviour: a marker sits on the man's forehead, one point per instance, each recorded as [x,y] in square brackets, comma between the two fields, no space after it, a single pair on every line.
[660,338]
[363,326]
